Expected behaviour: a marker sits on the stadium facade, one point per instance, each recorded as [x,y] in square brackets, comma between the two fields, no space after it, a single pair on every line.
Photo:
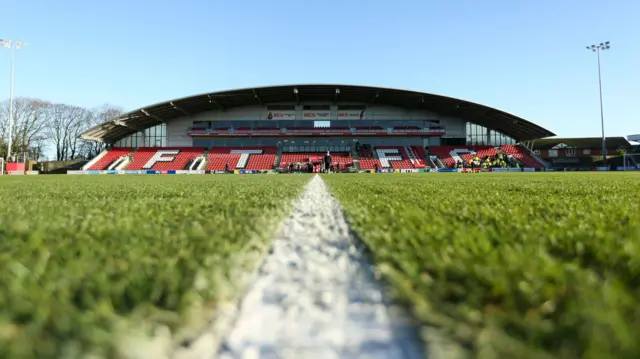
[392,129]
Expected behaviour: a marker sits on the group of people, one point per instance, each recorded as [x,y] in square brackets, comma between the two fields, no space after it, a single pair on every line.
[326,165]
[499,161]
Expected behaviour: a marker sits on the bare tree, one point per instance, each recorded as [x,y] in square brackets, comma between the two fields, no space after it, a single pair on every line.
[38,124]
[29,122]
[100,115]
[65,123]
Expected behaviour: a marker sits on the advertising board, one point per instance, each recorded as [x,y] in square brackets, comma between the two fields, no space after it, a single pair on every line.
[448,170]
[316,115]
[281,115]
[351,115]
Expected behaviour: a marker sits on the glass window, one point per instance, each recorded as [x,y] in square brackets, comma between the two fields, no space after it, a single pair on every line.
[150,137]
[479,135]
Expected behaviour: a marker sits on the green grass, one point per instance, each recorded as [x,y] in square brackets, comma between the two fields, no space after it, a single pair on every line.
[509,265]
[85,258]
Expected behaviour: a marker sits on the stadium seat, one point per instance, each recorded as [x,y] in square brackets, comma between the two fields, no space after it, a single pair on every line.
[174,158]
[521,155]
[449,155]
[397,152]
[108,158]
[481,152]
[343,158]
[259,158]
[444,154]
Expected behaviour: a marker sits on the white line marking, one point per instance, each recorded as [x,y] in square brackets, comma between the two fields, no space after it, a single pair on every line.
[315,295]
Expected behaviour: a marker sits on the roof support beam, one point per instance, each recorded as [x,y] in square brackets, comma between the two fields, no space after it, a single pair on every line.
[215,103]
[91,138]
[178,108]
[146,113]
[122,123]
[255,95]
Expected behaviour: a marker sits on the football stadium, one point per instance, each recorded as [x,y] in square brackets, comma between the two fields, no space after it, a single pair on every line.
[285,127]
[325,221]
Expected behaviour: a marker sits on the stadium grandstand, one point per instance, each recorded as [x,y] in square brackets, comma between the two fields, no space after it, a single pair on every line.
[581,153]
[283,128]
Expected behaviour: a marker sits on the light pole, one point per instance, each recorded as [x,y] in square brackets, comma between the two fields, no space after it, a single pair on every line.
[597,48]
[13,45]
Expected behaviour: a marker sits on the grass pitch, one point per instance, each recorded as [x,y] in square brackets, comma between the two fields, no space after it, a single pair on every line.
[508,265]
[541,265]
[84,257]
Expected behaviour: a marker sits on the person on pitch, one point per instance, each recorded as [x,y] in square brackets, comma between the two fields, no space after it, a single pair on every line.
[327,162]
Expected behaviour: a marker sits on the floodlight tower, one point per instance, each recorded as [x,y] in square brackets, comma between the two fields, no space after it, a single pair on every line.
[597,48]
[13,46]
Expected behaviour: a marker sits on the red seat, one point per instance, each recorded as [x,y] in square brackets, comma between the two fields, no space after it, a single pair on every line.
[219,157]
[444,154]
[343,158]
[177,161]
[108,158]
[369,164]
[404,163]
[521,155]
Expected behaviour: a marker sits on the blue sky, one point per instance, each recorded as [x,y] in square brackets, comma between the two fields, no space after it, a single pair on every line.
[525,57]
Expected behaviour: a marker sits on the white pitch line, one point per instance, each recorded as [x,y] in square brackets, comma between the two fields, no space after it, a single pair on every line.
[315,295]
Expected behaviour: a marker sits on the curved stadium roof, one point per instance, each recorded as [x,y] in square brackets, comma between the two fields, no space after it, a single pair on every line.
[140,119]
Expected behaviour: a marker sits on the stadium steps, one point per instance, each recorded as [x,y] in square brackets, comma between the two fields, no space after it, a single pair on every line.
[95,160]
[204,163]
[412,156]
[130,155]
[108,158]
[538,158]
[120,164]
[276,162]
[522,154]
[198,163]
[356,158]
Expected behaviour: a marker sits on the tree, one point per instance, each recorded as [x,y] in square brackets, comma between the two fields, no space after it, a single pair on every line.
[65,123]
[90,149]
[39,124]
[29,122]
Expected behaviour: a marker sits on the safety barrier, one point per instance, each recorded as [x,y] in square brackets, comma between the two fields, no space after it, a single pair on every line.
[202,172]
[155,172]
[21,173]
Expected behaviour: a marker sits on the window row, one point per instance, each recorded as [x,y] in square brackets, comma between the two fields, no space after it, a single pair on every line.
[155,136]
[481,136]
